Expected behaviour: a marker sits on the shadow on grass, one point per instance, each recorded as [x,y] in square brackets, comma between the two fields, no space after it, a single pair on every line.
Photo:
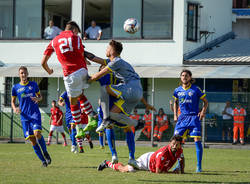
[183,181]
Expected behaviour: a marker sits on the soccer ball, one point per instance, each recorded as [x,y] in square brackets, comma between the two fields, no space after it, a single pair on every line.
[131,25]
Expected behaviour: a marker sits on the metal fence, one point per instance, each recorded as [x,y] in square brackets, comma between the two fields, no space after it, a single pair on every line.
[215,128]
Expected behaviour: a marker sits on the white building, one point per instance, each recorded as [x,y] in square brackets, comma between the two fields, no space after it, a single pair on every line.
[172,33]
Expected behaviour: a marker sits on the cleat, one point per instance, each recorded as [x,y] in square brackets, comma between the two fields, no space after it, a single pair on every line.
[80,133]
[234,143]
[81,151]
[102,166]
[103,125]
[44,164]
[101,147]
[73,147]
[65,144]
[198,170]
[48,143]
[242,143]
[140,125]
[133,163]
[91,145]
[91,125]
[47,157]
[114,159]
[76,150]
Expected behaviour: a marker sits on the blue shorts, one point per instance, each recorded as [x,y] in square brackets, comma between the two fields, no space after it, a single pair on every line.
[29,126]
[69,121]
[188,125]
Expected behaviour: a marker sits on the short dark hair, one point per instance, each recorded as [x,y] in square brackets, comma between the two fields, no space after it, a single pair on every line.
[53,101]
[189,73]
[176,138]
[72,25]
[23,68]
[117,46]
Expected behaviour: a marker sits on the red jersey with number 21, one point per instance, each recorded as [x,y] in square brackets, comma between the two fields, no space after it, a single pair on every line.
[69,51]
[164,159]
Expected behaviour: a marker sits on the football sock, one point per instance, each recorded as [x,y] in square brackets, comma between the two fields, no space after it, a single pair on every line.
[122,118]
[76,113]
[113,166]
[88,137]
[104,97]
[101,139]
[111,140]
[199,152]
[42,144]
[86,106]
[38,152]
[131,144]
[79,142]
[73,136]
[50,136]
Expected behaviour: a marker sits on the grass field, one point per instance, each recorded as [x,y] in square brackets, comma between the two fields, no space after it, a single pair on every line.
[18,164]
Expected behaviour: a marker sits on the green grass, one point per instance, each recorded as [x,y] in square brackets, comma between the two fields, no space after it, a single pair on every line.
[18,164]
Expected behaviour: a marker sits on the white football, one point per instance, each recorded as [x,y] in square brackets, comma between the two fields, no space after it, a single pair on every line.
[131,25]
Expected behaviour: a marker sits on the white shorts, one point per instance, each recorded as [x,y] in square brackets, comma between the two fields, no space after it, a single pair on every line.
[56,128]
[76,82]
[142,162]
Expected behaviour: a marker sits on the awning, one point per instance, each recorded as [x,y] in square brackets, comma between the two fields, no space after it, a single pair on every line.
[199,71]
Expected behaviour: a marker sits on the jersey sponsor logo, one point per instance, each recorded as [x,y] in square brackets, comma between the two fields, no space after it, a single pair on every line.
[27,133]
[185,100]
[21,89]
[181,94]
[162,158]
[176,132]
[30,87]
[23,95]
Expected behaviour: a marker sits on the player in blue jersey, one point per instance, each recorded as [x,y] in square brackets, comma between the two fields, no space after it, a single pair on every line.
[28,95]
[64,101]
[187,96]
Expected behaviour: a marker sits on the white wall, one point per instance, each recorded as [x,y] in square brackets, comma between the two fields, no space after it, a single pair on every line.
[215,16]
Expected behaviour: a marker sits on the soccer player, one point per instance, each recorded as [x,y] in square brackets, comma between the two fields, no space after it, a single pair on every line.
[128,91]
[70,53]
[28,95]
[187,96]
[64,101]
[160,161]
[57,123]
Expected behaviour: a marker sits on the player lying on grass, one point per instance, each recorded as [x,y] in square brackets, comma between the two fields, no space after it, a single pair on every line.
[29,96]
[160,161]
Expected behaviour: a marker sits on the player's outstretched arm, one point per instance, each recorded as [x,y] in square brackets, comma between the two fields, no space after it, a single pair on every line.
[45,64]
[98,75]
[94,58]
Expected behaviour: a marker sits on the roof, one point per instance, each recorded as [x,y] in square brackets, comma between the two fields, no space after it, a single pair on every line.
[199,71]
[231,52]
[241,12]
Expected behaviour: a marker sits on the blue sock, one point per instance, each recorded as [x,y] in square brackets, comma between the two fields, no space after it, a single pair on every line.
[131,144]
[42,144]
[199,152]
[111,140]
[73,136]
[101,139]
[178,165]
[38,152]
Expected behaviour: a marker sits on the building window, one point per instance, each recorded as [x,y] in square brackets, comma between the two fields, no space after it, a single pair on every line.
[42,84]
[6,19]
[100,12]
[157,19]
[192,22]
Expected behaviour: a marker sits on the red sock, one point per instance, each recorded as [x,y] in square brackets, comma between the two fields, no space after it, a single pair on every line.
[50,136]
[79,142]
[113,166]
[76,113]
[86,105]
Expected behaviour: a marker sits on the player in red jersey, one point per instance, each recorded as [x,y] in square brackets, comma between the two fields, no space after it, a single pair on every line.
[57,123]
[70,53]
[160,161]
